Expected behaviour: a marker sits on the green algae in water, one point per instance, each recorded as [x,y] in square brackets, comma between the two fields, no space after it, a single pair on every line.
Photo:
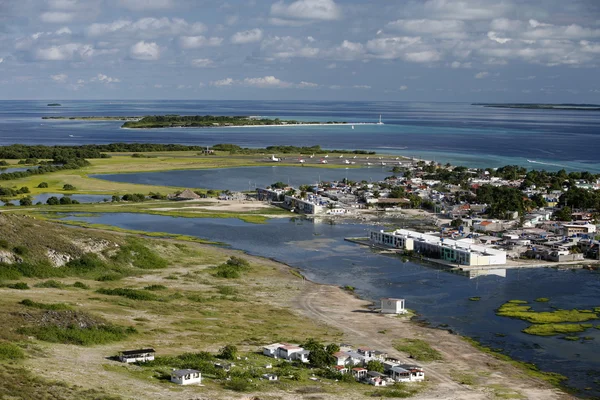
[475,298]
[542,299]
[518,309]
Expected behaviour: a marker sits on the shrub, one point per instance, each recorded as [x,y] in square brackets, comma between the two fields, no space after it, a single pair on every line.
[155,287]
[233,268]
[418,349]
[19,286]
[45,306]
[109,277]
[43,185]
[80,336]
[239,385]
[80,285]
[4,244]
[50,284]
[69,187]
[87,262]
[10,351]
[135,253]
[21,250]
[52,201]
[65,200]
[227,290]
[132,294]
[228,352]
[26,201]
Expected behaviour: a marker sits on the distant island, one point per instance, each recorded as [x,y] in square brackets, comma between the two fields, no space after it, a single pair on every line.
[207,121]
[97,118]
[54,104]
[534,106]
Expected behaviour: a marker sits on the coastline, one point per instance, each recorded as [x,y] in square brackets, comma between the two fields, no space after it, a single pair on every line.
[257,126]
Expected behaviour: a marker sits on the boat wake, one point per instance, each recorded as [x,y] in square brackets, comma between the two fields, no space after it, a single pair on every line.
[544,163]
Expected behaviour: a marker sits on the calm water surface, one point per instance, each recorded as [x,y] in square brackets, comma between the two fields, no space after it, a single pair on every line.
[446,132]
[320,251]
[248,178]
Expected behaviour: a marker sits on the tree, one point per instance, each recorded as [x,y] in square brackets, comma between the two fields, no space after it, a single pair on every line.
[332,348]
[318,357]
[564,214]
[25,201]
[65,200]
[43,185]
[69,187]
[229,352]
[456,223]
[52,201]
[375,365]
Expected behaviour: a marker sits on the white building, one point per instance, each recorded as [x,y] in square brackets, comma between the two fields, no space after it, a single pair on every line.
[406,373]
[392,306]
[461,252]
[186,376]
[290,352]
[141,355]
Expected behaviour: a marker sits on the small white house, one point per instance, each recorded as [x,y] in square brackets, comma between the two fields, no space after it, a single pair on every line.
[186,376]
[270,377]
[140,355]
[376,378]
[392,306]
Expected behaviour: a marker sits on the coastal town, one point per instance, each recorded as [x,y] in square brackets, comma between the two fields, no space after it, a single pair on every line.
[484,218]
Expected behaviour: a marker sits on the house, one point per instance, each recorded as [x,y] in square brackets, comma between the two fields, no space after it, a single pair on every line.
[301,355]
[359,373]
[224,366]
[575,229]
[340,369]
[186,376]
[403,372]
[270,377]
[342,358]
[365,351]
[187,194]
[141,355]
[376,378]
[271,350]
[392,306]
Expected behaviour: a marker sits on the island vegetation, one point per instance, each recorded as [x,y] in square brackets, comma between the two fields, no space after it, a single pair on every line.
[205,121]
[54,104]
[94,118]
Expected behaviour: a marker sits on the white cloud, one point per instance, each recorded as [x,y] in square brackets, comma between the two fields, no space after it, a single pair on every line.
[589,47]
[403,88]
[1,60]
[423,56]
[60,78]
[331,66]
[63,31]
[307,10]
[146,51]
[458,64]
[203,63]
[147,27]
[63,4]
[64,52]
[347,51]
[481,75]
[266,82]
[222,82]
[307,85]
[249,36]
[467,9]
[446,28]
[285,47]
[141,5]
[361,87]
[195,42]
[57,17]
[506,25]
[104,79]
[493,36]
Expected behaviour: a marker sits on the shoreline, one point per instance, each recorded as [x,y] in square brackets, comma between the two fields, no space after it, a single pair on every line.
[257,126]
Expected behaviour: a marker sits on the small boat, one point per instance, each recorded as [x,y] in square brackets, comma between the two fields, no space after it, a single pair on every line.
[352,126]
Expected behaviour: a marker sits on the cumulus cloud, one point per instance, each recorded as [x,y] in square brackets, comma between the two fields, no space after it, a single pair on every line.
[64,52]
[104,79]
[60,78]
[196,42]
[57,17]
[203,63]
[284,47]
[146,28]
[265,82]
[63,31]
[403,88]
[304,11]
[467,9]
[146,51]
[222,82]
[493,36]
[445,28]
[482,75]
[140,5]
[249,36]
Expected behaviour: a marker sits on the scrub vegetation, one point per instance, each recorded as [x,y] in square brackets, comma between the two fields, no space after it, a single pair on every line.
[418,349]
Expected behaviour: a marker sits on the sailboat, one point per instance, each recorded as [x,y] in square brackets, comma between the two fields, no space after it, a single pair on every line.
[380,122]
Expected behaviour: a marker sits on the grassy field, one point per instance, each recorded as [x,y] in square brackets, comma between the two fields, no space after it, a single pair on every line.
[120,291]
[156,161]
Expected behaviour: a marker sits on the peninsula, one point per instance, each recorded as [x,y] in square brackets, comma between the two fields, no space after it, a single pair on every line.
[97,118]
[206,121]
[535,106]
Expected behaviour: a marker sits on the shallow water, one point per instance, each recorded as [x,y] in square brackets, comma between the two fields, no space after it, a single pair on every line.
[320,251]
[248,178]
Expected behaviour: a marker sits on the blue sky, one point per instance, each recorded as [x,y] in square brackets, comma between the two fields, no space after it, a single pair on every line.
[422,50]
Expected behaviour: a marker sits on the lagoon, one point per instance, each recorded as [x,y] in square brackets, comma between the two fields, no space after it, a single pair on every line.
[319,250]
[248,178]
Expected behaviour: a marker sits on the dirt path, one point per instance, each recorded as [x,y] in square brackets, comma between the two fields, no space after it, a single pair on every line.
[492,378]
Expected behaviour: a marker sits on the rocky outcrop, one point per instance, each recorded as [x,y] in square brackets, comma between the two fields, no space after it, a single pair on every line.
[8,257]
[90,245]
[58,259]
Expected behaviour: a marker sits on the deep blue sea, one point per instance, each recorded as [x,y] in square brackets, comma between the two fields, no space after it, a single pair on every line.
[459,133]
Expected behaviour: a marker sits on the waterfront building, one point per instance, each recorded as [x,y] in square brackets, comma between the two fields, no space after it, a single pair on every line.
[392,306]
[461,252]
